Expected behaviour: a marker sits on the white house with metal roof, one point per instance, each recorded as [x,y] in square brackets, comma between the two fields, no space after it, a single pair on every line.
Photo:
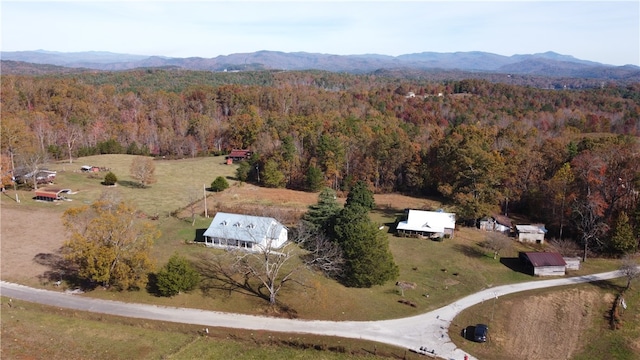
[245,231]
[432,224]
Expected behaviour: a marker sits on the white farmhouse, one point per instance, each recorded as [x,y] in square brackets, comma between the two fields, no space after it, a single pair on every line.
[434,224]
[245,231]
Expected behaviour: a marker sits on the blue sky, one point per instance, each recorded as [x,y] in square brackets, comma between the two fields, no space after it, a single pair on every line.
[602,31]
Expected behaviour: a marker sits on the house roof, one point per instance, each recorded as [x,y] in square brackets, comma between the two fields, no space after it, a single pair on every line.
[239,153]
[531,229]
[51,192]
[428,221]
[538,259]
[503,220]
[249,228]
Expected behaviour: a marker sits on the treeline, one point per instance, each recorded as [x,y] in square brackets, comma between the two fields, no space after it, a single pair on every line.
[485,147]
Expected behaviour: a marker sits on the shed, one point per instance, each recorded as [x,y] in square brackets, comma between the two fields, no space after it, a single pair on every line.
[531,233]
[573,263]
[51,194]
[245,231]
[544,263]
[433,224]
[498,223]
[88,168]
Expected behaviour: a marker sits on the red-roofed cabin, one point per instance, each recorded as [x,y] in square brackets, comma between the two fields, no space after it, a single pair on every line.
[544,263]
[238,155]
[49,194]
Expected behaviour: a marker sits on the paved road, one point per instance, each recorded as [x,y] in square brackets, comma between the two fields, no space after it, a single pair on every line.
[428,330]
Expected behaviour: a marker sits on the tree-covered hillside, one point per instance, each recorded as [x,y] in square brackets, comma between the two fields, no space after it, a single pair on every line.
[558,156]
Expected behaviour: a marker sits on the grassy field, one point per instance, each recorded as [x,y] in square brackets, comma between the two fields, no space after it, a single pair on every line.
[179,182]
[555,324]
[442,271]
[32,331]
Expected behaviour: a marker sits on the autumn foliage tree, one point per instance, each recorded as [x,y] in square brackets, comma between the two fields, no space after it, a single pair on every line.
[108,245]
[143,170]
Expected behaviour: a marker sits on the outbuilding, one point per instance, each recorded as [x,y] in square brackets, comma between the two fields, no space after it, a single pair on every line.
[245,231]
[531,233]
[51,194]
[544,263]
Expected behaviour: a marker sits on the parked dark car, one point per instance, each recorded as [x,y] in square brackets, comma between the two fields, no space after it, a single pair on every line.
[480,333]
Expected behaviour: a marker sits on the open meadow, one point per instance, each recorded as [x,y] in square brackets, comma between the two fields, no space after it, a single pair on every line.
[32,234]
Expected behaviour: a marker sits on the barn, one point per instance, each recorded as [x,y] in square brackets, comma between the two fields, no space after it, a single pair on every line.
[245,231]
[544,263]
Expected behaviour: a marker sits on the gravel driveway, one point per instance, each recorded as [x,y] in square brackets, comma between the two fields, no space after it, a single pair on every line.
[429,330]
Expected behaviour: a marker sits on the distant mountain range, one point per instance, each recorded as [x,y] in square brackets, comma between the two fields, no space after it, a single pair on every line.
[542,64]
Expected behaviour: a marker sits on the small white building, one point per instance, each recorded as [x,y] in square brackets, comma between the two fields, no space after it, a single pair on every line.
[433,224]
[531,233]
[245,231]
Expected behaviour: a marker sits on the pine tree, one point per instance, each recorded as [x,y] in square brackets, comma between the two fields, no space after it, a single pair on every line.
[368,261]
[622,240]
[361,195]
[320,216]
[314,179]
[219,184]
[178,275]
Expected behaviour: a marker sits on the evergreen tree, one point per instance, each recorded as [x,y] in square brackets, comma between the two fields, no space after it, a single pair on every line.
[110,179]
[178,275]
[219,184]
[623,240]
[314,179]
[320,216]
[361,195]
[368,261]
[272,176]
[243,170]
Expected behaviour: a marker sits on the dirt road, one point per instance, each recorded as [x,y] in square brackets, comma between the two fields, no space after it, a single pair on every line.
[428,330]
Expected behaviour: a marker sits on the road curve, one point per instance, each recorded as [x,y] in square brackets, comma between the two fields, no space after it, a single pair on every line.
[428,330]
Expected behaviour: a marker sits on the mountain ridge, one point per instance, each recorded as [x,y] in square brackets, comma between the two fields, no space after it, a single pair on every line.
[540,64]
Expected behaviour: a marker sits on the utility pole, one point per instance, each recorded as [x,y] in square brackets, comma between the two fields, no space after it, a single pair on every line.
[204,188]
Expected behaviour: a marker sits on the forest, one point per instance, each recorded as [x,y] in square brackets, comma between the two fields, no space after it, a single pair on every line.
[568,158]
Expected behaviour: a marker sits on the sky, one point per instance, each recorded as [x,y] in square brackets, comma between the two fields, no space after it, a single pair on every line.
[603,31]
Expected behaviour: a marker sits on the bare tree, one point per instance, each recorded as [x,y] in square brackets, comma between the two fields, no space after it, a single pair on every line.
[566,247]
[268,266]
[629,269]
[33,160]
[261,262]
[589,222]
[323,254]
[143,169]
[193,197]
[497,242]
[71,135]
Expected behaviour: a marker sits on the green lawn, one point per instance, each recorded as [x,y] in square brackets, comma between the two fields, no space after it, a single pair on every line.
[178,181]
[442,271]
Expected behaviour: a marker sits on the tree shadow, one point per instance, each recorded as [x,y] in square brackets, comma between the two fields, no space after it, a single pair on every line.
[61,270]
[472,251]
[218,275]
[199,236]
[608,285]
[517,265]
[131,184]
